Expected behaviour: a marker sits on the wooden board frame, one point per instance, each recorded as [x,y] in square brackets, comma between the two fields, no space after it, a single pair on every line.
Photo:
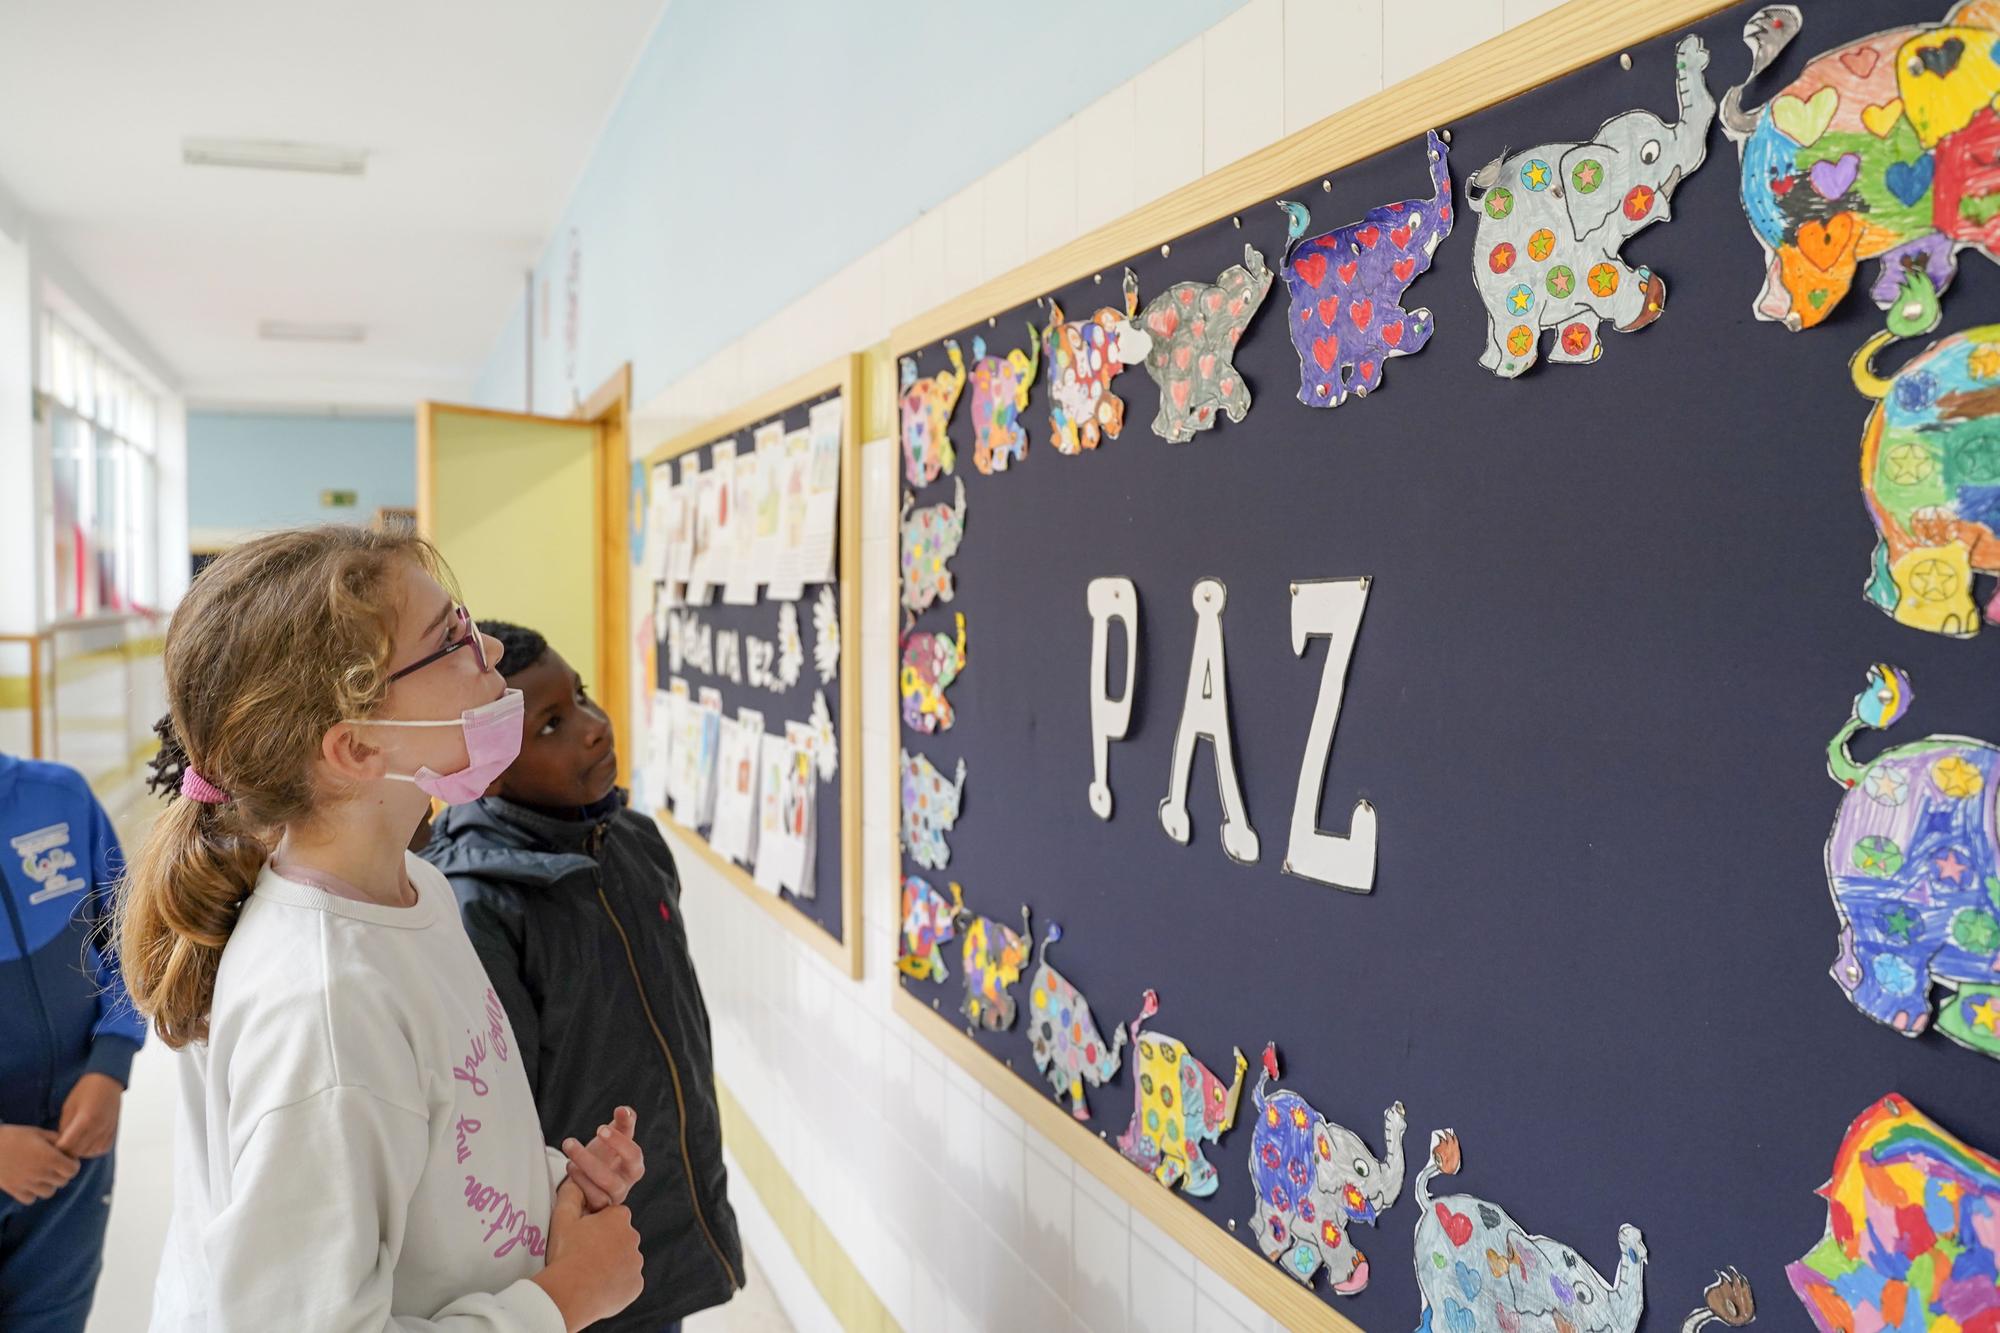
[1537,52]
[842,375]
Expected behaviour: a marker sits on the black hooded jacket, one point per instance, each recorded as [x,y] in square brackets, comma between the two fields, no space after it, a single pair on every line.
[578,923]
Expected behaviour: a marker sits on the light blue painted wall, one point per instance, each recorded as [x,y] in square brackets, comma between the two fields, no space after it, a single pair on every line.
[762,145]
[267,470]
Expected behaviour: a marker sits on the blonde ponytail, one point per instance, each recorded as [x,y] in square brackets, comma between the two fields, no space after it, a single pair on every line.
[178,905]
[279,639]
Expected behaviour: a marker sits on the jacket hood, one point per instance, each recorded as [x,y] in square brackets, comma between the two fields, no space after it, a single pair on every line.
[497,839]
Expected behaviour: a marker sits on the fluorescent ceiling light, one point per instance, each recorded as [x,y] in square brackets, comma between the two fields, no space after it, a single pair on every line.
[274,155]
[302,331]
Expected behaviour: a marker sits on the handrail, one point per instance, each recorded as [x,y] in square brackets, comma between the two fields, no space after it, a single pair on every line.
[34,642]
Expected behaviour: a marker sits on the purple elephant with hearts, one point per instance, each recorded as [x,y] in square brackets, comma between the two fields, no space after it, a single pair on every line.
[1347,286]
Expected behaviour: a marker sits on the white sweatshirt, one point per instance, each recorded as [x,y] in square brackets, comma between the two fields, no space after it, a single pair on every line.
[357,1146]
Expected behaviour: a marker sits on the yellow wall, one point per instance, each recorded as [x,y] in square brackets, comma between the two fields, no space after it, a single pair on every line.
[513,509]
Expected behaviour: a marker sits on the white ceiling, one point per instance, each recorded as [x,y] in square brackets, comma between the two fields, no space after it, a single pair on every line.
[477,115]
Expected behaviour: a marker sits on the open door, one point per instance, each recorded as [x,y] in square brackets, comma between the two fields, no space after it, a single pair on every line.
[530,513]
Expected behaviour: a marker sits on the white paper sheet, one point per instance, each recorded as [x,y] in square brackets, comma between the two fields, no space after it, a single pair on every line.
[734,833]
[701,566]
[741,588]
[680,762]
[730,830]
[655,775]
[770,453]
[680,550]
[794,481]
[822,522]
[773,754]
[798,794]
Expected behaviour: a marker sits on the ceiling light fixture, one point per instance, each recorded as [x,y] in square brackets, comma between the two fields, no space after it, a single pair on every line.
[305,331]
[274,155]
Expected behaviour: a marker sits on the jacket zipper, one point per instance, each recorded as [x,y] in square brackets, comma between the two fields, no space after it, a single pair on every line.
[673,1072]
[41,1002]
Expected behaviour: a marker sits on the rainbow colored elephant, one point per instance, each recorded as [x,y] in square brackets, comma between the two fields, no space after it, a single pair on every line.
[1881,149]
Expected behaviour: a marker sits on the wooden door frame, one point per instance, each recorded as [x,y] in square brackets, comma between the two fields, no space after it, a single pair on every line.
[609,409]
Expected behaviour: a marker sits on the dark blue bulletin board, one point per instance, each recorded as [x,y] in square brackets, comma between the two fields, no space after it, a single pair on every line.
[830,919]
[1615,618]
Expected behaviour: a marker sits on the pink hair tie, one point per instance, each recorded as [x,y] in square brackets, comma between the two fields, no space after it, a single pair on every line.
[198,788]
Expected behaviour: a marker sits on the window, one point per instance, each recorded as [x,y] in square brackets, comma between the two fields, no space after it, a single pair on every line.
[105,512]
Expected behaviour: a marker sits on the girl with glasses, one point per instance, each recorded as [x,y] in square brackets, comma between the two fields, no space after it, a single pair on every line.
[357,1146]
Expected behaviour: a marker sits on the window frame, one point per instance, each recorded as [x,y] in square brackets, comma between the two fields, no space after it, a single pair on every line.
[114,427]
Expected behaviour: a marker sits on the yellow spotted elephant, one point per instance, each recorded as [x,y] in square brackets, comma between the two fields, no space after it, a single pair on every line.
[1177,1105]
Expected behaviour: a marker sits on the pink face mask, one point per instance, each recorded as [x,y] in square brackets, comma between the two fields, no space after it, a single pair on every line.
[492,741]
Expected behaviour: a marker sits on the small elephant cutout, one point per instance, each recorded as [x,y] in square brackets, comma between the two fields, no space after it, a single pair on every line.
[1177,1105]
[1069,1050]
[1930,460]
[1554,217]
[1194,328]
[1480,1271]
[999,395]
[930,809]
[1347,288]
[931,537]
[929,923]
[1914,870]
[1083,359]
[1315,1181]
[1879,149]
[994,956]
[931,663]
[927,405]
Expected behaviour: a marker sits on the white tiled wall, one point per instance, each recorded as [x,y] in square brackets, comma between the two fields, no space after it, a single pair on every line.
[958,1215]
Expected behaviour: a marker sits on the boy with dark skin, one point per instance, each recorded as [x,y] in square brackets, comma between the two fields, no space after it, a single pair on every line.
[573,904]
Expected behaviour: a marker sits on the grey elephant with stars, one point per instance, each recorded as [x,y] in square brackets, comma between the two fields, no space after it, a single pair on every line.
[1553,218]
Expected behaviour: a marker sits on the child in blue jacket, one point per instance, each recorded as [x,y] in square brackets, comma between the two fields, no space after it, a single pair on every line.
[67,1037]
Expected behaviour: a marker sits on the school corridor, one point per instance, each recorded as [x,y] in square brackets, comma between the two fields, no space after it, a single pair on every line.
[774,666]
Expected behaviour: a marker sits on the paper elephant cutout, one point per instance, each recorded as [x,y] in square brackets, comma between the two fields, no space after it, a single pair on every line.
[1914,871]
[1069,1050]
[1178,1103]
[930,810]
[927,404]
[929,923]
[1194,328]
[1347,286]
[1554,217]
[1480,1271]
[1000,387]
[1879,149]
[1912,1222]
[1930,460]
[931,662]
[994,956]
[1083,357]
[1315,1180]
[931,537]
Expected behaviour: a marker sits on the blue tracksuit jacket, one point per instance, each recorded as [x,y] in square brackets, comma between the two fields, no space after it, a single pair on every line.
[63,1008]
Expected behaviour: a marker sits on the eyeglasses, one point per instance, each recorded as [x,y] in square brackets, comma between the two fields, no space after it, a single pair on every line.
[469,638]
